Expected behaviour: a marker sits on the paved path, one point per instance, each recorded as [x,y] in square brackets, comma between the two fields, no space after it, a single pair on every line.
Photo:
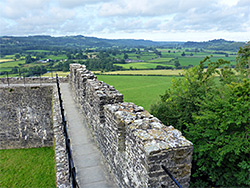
[90,169]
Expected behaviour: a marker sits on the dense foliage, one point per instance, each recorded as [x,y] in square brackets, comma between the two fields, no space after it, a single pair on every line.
[212,109]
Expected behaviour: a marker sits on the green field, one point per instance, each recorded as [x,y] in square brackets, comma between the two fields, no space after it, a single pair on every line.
[11,64]
[141,65]
[60,73]
[160,60]
[58,57]
[141,90]
[5,60]
[33,167]
[164,72]
[37,51]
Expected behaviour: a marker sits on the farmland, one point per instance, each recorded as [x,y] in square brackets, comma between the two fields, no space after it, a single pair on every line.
[141,90]
[166,72]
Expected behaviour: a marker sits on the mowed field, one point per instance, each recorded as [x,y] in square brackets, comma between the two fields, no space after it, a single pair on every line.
[165,72]
[141,90]
[141,65]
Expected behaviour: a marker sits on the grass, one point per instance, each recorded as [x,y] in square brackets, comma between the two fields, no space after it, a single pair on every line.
[147,72]
[58,57]
[60,73]
[11,64]
[5,60]
[140,65]
[160,60]
[33,167]
[37,51]
[141,90]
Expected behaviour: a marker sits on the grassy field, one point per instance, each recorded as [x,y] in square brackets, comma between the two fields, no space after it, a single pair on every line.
[147,72]
[27,168]
[160,60]
[140,65]
[37,51]
[141,90]
[58,57]
[60,73]
[11,64]
[5,60]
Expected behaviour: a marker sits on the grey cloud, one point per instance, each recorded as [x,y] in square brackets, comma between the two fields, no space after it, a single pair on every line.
[150,8]
[14,9]
[78,3]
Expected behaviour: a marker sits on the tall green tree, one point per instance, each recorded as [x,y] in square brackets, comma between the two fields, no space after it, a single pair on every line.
[212,108]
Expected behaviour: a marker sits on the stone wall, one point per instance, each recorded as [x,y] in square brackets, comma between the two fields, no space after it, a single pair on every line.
[134,143]
[61,157]
[30,116]
[31,80]
[26,117]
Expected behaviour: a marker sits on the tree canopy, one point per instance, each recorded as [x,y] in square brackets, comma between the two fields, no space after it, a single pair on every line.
[212,108]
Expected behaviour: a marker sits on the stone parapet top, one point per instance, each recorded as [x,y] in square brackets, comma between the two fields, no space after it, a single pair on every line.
[154,135]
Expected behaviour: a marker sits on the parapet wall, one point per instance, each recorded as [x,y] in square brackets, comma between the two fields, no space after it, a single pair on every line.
[26,117]
[31,80]
[134,143]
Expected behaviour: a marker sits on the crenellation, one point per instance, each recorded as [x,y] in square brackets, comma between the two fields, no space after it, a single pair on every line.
[134,143]
[32,80]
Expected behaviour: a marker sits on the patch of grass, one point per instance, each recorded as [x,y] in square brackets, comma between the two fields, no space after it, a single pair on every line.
[11,64]
[185,61]
[140,65]
[60,73]
[166,72]
[5,60]
[58,57]
[160,60]
[141,90]
[33,167]
[37,51]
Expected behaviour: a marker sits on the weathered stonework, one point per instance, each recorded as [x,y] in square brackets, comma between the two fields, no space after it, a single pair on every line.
[26,117]
[61,157]
[31,80]
[30,116]
[134,143]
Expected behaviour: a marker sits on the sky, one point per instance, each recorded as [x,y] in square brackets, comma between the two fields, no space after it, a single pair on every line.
[157,20]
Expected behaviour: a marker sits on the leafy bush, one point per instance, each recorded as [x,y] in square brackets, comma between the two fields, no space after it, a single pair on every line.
[212,109]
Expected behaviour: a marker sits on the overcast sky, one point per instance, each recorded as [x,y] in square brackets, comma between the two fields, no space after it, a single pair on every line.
[159,20]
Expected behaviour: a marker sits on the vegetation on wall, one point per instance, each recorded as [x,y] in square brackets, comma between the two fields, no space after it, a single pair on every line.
[212,109]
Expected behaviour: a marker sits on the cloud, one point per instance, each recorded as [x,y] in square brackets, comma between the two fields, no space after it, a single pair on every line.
[96,17]
[78,3]
[14,9]
[150,8]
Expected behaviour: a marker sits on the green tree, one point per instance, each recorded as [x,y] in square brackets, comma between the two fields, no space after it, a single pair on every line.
[28,59]
[212,108]
[17,56]
[125,56]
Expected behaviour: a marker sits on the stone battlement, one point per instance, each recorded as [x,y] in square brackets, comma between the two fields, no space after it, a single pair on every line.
[134,143]
[31,80]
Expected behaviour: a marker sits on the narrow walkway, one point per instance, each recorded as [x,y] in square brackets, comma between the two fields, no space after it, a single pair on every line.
[90,169]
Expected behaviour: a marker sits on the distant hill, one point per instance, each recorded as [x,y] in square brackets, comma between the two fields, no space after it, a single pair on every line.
[11,45]
[219,44]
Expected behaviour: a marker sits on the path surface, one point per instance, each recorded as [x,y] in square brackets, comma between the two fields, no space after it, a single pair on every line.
[90,169]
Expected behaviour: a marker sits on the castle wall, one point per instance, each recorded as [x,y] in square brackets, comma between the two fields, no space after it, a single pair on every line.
[31,80]
[134,143]
[26,117]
